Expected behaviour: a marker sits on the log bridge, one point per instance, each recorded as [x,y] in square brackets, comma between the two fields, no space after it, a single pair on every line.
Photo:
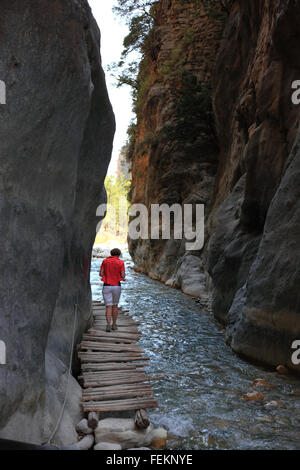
[112,364]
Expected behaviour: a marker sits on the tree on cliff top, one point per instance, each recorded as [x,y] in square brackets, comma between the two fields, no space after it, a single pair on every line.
[127,8]
[140,19]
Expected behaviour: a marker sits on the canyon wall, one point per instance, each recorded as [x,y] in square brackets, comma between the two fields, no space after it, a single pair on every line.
[253,251]
[249,181]
[56,134]
[175,153]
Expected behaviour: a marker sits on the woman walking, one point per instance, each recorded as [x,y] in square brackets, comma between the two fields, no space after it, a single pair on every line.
[112,273]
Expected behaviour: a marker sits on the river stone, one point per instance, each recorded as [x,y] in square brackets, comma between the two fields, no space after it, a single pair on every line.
[123,432]
[159,438]
[83,428]
[55,144]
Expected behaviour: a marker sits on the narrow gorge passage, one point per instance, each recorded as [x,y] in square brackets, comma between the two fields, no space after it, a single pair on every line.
[207,123]
[201,394]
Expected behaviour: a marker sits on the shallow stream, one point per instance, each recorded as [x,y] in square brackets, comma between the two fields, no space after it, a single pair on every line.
[201,393]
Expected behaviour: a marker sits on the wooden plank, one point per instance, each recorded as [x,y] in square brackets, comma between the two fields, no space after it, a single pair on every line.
[120,357]
[122,327]
[93,345]
[114,334]
[90,357]
[112,388]
[120,321]
[106,376]
[107,339]
[112,366]
[133,387]
[120,405]
[121,316]
[121,381]
[110,358]
[101,379]
[117,394]
[113,373]
[120,324]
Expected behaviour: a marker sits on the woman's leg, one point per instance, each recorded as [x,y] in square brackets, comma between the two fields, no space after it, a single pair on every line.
[108,300]
[115,314]
[116,298]
[109,309]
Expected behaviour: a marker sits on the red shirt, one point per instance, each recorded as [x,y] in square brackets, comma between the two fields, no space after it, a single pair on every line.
[112,268]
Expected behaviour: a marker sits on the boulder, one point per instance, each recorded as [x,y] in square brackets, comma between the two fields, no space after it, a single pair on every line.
[123,432]
[83,428]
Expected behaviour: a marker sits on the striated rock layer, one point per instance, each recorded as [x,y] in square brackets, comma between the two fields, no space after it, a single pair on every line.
[249,184]
[56,138]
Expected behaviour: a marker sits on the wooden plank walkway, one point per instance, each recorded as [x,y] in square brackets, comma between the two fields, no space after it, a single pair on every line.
[112,366]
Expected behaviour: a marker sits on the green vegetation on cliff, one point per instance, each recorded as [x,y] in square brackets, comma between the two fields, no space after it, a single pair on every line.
[193,115]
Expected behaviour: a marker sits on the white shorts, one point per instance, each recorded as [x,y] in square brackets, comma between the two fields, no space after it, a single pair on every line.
[111,295]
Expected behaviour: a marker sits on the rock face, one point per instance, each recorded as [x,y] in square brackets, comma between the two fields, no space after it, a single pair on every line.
[249,183]
[56,138]
[253,260]
[175,152]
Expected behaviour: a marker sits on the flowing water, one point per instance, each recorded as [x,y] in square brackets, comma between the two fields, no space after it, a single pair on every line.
[201,393]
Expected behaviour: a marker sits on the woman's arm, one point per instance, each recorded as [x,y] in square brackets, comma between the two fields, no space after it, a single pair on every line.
[123,272]
[102,270]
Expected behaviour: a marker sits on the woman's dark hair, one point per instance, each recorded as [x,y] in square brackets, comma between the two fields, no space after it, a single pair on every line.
[115,252]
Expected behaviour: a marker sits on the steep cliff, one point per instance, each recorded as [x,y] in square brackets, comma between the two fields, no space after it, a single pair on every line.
[175,152]
[253,252]
[56,138]
[248,181]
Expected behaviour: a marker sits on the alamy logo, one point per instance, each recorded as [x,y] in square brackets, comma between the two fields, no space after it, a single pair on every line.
[2,353]
[296,354]
[2,92]
[296,94]
[160,221]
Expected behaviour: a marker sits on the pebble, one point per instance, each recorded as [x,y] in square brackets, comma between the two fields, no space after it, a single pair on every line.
[253,396]
[282,370]
[262,383]
[273,404]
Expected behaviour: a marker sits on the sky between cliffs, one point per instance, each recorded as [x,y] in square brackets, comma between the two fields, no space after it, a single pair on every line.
[112,35]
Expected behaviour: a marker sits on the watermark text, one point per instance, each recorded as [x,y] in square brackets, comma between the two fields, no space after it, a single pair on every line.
[2,92]
[2,353]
